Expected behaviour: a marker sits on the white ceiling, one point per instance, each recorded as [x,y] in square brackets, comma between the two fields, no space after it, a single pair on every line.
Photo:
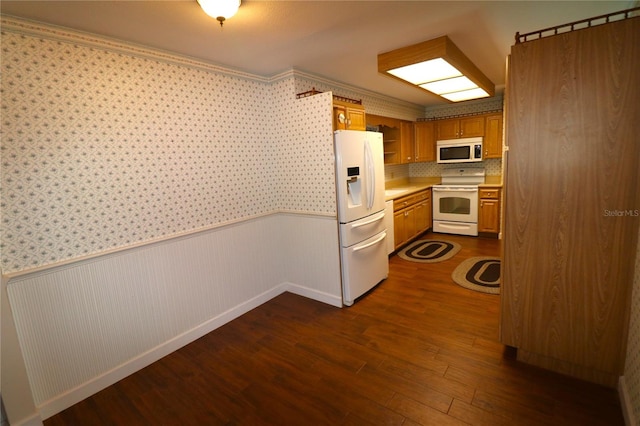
[339,40]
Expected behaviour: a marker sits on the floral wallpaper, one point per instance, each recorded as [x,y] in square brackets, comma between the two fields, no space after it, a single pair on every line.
[101,149]
[105,147]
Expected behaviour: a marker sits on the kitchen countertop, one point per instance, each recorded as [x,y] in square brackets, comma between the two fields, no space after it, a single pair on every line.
[400,188]
[492,182]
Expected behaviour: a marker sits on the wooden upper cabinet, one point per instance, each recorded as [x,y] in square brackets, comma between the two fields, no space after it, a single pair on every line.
[348,116]
[471,127]
[447,129]
[492,143]
[454,128]
[425,142]
[406,142]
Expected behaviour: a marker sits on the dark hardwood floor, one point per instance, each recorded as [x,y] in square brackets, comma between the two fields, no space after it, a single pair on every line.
[417,350]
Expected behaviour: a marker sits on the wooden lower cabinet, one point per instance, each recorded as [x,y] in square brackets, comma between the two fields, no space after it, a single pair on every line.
[489,211]
[411,216]
[403,223]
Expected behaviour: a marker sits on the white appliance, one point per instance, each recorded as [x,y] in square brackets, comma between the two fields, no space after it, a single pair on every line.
[360,196]
[388,218]
[463,150]
[455,201]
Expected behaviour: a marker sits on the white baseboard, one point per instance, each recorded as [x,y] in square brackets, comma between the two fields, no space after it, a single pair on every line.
[83,391]
[319,296]
[625,403]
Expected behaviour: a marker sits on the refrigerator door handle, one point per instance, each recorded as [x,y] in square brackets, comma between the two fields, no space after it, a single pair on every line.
[369,222]
[371,174]
[372,243]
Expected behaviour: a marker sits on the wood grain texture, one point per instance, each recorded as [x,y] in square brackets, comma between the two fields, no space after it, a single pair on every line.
[416,350]
[572,196]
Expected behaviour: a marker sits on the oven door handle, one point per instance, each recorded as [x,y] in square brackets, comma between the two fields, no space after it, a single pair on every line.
[454,190]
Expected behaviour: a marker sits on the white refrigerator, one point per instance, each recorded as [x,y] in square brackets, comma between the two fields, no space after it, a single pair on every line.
[361,211]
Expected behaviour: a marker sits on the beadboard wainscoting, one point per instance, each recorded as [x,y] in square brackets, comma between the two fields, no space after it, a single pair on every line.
[85,325]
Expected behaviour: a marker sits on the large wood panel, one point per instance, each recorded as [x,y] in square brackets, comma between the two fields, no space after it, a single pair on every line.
[416,350]
[572,199]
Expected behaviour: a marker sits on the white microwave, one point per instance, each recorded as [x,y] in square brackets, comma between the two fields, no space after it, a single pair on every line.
[464,150]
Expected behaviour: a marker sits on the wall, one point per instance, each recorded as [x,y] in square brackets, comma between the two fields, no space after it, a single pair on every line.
[630,383]
[104,150]
[147,199]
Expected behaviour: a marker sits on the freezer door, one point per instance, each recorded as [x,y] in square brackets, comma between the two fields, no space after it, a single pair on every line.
[362,229]
[359,174]
[364,265]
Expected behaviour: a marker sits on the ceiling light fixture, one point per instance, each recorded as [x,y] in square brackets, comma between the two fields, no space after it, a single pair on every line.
[220,9]
[439,67]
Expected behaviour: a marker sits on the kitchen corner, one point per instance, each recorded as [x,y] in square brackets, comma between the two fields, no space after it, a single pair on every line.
[410,208]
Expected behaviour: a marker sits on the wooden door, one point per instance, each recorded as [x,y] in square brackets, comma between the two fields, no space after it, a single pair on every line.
[425,144]
[399,228]
[406,141]
[492,143]
[356,119]
[423,215]
[489,216]
[572,182]
[471,127]
[447,129]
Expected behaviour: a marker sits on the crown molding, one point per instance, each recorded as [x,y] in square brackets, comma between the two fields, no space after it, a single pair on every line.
[11,24]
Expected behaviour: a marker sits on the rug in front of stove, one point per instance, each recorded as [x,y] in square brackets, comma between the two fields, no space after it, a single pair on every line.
[429,251]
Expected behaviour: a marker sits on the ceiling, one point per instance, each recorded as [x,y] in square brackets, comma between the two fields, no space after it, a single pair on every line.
[339,40]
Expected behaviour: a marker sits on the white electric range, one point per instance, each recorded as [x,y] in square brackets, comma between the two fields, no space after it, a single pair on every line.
[455,201]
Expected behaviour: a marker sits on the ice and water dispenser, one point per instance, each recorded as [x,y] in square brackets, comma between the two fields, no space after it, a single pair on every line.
[354,187]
